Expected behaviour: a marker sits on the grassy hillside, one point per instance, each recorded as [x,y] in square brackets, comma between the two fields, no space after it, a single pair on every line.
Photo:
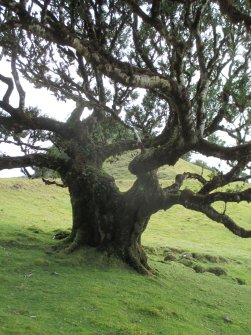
[202,286]
[118,168]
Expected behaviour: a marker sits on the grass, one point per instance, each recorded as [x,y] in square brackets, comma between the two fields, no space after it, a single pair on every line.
[86,293]
[118,168]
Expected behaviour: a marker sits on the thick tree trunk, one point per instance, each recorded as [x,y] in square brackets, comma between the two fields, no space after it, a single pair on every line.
[111,221]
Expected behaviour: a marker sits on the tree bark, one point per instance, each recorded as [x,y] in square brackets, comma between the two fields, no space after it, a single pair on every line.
[110,220]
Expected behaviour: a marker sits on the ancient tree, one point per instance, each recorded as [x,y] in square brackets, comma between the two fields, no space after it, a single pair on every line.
[163,77]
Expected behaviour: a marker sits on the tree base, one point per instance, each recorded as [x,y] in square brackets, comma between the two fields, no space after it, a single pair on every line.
[134,256]
[109,220]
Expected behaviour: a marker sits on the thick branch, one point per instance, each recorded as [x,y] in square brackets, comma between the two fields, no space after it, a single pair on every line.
[119,71]
[238,153]
[200,203]
[39,160]
[187,197]
[34,123]
[153,158]
[212,214]
[16,113]
[228,196]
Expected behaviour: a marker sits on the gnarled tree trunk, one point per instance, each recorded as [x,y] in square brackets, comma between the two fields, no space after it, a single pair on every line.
[110,220]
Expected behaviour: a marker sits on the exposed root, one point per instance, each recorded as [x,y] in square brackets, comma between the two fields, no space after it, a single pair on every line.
[76,243]
[139,267]
[63,243]
[138,260]
[72,247]
[133,255]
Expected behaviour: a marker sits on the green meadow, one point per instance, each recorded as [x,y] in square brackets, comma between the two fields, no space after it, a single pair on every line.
[202,283]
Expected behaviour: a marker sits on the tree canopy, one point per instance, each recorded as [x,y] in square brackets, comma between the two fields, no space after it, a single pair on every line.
[164,77]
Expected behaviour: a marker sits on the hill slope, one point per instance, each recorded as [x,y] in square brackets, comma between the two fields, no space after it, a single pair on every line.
[86,293]
[118,168]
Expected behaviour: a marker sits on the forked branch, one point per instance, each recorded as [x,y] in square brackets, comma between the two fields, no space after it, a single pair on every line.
[224,219]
